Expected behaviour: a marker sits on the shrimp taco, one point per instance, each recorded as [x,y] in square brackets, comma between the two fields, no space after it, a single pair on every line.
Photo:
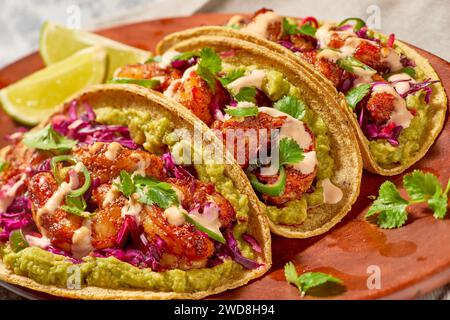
[293,141]
[95,205]
[392,97]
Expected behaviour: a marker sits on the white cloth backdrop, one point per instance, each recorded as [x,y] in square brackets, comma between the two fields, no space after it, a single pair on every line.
[425,23]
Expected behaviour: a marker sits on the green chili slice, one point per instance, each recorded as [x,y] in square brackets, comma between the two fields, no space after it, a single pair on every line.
[359,23]
[271,189]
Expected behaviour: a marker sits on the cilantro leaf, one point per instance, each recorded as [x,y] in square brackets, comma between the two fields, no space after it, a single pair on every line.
[153,59]
[349,64]
[126,185]
[290,272]
[210,63]
[290,152]
[246,94]
[152,191]
[308,280]
[291,28]
[76,206]
[292,106]
[390,206]
[48,139]
[185,56]
[232,75]
[3,165]
[311,280]
[242,111]
[421,186]
[438,203]
[356,94]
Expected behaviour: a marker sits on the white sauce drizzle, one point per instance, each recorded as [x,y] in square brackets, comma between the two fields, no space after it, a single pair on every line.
[174,215]
[307,165]
[254,79]
[132,208]
[401,115]
[141,166]
[112,193]
[166,58]
[82,240]
[172,88]
[331,193]
[295,129]
[113,150]
[405,82]
[42,242]
[261,23]
[9,193]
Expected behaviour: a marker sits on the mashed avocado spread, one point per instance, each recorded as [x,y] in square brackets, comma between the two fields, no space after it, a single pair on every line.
[276,86]
[150,131]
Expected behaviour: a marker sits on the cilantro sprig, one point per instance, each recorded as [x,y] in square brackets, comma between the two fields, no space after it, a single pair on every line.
[232,75]
[292,106]
[421,187]
[290,152]
[208,67]
[309,280]
[246,94]
[149,190]
[291,28]
[356,94]
[48,139]
[242,111]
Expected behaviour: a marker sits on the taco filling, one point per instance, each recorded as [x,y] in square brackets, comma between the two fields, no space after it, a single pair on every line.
[386,91]
[254,112]
[101,191]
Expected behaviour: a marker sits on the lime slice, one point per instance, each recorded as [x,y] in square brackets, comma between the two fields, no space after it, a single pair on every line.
[35,97]
[58,43]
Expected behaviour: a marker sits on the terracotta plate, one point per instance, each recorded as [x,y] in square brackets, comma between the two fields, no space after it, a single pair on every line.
[413,260]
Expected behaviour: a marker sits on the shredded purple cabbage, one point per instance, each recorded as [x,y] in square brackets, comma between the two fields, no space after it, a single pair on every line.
[172,170]
[262,100]
[289,45]
[141,253]
[235,253]
[10,222]
[63,253]
[252,242]
[407,62]
[84,129]
[416,87]
[389,132]
[182,65]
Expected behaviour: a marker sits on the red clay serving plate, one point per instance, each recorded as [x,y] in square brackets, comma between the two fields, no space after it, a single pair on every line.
[412,260]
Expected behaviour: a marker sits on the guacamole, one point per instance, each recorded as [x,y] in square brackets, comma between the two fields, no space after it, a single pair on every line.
[410,138]
[151,131]
[276,86]
[50,269]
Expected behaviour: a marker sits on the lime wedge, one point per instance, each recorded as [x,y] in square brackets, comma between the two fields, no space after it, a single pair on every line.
[35,97]
[58,43]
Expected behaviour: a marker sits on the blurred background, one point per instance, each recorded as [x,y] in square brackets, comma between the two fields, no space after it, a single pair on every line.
[424,23]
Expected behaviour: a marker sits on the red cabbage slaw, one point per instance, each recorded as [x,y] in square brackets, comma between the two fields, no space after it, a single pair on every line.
[86,130]
[132,246]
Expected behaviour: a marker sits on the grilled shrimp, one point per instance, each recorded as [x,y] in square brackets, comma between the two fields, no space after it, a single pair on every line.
[297,183]
[105,161]
[380,106]
[194,93]
[149,71]
[328,68]
[262,121]
[186,246]
[59,226]
[108,218]
[198,193]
